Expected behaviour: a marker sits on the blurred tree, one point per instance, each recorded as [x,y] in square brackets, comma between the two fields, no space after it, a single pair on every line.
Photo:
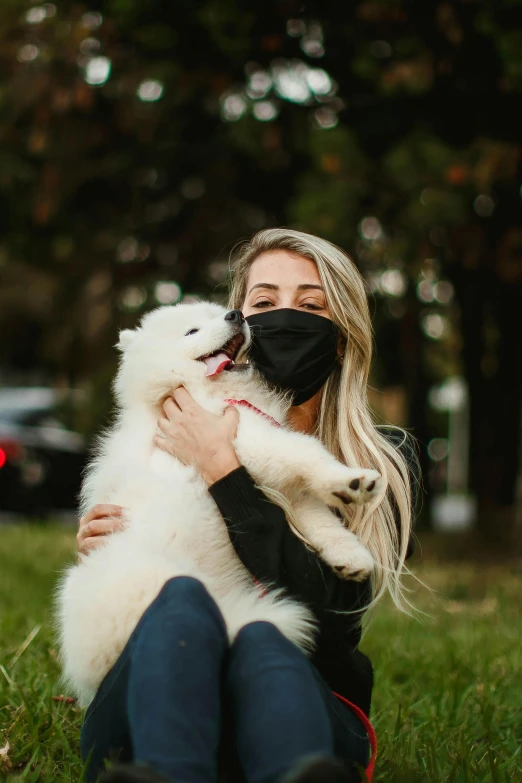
[139,140]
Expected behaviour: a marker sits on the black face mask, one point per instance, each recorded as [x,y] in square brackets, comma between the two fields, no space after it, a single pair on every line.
[294,350]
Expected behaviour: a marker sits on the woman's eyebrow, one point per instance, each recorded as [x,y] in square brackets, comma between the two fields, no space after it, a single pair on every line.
[301,287]
[264,285]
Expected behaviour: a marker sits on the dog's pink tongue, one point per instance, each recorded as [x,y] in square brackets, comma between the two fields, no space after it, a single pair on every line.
[216,364]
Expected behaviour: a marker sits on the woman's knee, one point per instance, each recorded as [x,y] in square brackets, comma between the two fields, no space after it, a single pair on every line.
[262,639]
[185,597]
[185,588]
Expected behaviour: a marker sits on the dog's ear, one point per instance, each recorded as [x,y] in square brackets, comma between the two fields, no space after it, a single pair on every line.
[125,339]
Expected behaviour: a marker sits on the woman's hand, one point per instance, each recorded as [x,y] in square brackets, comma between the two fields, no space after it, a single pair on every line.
[96,524]
[197,437]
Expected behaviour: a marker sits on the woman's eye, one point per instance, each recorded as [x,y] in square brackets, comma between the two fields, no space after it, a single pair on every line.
[310,306]
[263,303]
[191,331]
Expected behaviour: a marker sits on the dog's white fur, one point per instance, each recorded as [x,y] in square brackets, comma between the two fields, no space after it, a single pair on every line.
[174,527]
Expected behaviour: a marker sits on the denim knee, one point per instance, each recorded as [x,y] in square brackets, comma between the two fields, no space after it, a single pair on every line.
[186,588]
[262,639]
[185,596]
[262,632]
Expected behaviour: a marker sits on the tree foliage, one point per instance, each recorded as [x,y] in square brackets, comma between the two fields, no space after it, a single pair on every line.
[140,140]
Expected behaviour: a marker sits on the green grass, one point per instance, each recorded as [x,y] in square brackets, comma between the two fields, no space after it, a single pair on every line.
[447,701]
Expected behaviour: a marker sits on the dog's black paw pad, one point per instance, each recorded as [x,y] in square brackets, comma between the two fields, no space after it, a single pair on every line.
[345,499]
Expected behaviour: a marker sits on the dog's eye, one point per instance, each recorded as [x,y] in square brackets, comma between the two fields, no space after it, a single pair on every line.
[191,331]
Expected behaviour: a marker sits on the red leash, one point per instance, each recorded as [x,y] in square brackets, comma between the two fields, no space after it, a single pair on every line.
[372,737]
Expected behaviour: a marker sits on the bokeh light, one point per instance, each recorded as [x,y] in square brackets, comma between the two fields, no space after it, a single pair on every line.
[27,53]
[132,297]
[150,90]
[425,291]
[438,449]
[484,205]
[393,282]
[167,293]
[326,117]
[264,111]
[443,291]
[259,83]
[97,71]
[36,14]
[92,20]
[290,81]
[89,46]
[450,395]
[435,326]
[295,28]
[312,41]
[319,81]
[370,228]
[127,250]
[233,107]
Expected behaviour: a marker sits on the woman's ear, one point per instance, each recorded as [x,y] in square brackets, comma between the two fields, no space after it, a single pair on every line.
[341,347]
[125,339]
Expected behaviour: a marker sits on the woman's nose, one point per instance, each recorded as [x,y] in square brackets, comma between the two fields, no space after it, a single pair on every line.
[235,316]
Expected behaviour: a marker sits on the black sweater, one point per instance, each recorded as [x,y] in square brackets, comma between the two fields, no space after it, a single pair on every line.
[267,547]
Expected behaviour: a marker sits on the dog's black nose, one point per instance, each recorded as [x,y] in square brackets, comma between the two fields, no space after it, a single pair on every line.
[235,316]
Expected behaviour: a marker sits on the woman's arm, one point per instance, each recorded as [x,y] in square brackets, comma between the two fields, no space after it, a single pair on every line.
[268,548]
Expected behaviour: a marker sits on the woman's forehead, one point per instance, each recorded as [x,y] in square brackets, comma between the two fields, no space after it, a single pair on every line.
[282,268]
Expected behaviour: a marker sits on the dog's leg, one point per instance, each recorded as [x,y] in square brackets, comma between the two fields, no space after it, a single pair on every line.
[286,461]
[335,545]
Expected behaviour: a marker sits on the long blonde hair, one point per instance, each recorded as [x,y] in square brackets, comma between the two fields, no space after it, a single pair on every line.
[345,424]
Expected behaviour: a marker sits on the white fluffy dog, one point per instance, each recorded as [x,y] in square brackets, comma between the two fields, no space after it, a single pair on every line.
[174,527]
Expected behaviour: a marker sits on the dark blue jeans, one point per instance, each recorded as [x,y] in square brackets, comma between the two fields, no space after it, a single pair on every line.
[184,702]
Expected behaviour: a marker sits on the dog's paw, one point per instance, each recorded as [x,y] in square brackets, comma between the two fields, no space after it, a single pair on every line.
[351,485]
[349,559]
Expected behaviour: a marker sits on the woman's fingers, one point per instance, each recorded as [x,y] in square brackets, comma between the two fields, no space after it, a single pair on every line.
[163,423]
[100,520]
[171,408]
[101,510]
[184,400]
[89,544]
[102,527]
[161,443]
[93,533]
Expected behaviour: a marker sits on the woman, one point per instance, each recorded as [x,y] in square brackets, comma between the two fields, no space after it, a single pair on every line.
[178,693]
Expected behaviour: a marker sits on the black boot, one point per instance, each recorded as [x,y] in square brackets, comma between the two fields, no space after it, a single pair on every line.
[132,773]
[322,769]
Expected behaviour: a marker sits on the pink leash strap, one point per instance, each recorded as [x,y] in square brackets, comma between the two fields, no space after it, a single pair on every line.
[372,737]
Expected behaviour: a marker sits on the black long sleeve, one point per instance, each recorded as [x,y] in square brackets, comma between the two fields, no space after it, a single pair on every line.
[268,548]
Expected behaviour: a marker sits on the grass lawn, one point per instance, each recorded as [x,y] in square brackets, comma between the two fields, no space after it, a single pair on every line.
[448,696]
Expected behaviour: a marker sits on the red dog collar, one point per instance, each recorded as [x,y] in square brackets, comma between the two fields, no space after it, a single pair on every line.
[246,404]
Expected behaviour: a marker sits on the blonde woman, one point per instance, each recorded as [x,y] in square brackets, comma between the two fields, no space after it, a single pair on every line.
[178,693]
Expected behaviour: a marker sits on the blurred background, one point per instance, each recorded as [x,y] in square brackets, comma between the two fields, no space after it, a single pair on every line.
[141,139]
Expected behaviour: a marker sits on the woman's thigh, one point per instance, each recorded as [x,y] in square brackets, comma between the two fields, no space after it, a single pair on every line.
[105,732]
[282,707]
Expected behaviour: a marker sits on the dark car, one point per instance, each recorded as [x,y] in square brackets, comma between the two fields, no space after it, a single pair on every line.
[41,458]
